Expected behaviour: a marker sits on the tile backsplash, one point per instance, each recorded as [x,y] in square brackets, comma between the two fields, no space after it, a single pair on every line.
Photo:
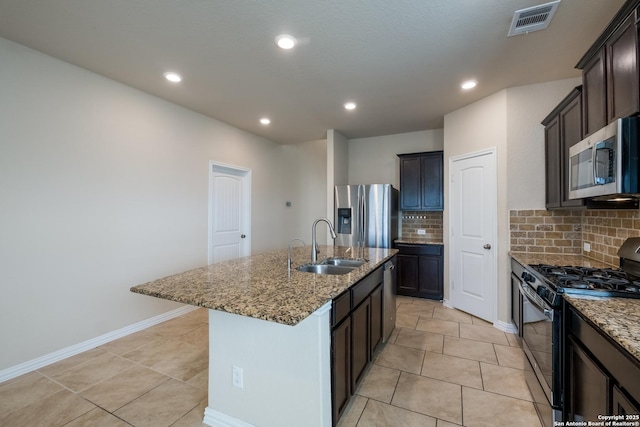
[430,222]
[565,232]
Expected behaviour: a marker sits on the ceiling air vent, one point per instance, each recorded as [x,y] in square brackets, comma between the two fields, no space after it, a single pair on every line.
[532,18]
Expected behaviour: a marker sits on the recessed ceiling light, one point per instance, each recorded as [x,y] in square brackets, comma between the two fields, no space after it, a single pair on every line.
[469,84]
[265,121]
[285,41]
[350,106]
[173,77]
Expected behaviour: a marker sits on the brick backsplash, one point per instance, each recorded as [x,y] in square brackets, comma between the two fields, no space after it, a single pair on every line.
[565,231]
[550,232]
[430,222]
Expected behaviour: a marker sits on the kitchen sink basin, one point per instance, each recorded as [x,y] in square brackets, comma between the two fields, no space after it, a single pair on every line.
[325,269]
[344,262]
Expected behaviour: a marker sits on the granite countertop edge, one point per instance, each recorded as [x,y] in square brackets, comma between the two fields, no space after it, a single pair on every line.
[260,287]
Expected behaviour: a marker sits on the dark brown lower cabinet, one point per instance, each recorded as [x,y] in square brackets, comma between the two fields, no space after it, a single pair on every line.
[587,386]
[600,377]
[341,369]
[360,341]
[420,270]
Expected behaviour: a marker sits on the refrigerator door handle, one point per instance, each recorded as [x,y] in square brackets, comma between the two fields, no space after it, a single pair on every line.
[363,215]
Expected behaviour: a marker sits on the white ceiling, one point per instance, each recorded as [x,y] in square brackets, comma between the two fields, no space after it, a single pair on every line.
[401,60]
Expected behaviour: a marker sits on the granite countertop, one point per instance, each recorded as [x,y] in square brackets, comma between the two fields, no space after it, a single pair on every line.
[558,259]
[617,317]
[259,286]
[418,241]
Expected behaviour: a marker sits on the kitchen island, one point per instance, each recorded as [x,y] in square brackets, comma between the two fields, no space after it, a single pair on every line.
[269,333]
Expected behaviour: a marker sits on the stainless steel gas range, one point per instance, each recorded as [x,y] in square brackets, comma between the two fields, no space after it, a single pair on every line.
[541,287]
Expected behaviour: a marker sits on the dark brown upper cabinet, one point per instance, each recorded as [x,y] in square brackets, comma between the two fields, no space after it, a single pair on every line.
[421,181]
[563,128]
[610,72]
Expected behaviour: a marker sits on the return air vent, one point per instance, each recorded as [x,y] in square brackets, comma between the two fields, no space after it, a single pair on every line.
[532,18]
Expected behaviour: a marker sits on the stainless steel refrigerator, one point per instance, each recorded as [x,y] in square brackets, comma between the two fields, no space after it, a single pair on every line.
[366,215]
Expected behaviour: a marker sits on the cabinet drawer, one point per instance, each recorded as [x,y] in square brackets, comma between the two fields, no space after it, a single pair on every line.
[341,307]
[362,290]
[409,249]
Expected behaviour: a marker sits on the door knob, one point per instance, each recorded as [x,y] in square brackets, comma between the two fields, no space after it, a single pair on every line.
[487,246]
[242,236]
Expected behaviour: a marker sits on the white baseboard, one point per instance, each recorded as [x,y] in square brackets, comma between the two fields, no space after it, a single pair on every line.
[47,359]
[506,326]
[447,303]
[215,418]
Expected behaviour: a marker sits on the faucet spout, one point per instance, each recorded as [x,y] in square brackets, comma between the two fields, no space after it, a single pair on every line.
[289,253]
[314,243]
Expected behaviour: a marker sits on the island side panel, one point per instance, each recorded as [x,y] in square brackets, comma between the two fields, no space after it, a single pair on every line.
[286,371]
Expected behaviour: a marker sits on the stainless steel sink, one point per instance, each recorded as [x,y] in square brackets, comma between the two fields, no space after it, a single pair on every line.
[344,262]
[325,269]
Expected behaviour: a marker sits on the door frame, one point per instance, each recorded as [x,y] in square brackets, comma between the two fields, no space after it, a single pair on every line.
[452,296]
[245,175]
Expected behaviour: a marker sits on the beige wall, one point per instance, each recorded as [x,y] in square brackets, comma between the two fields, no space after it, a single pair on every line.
[509,121]
[105,187]
[375,161]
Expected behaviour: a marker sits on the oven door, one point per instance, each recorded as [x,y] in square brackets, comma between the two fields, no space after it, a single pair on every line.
[538,330]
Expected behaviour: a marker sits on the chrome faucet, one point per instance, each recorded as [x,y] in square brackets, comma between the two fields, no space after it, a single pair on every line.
[314,244]
[289,253]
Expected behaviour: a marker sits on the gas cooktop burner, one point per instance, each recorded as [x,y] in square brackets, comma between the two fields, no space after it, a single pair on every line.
[596,281]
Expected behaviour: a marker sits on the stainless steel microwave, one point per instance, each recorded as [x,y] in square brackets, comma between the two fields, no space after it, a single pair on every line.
[605,165]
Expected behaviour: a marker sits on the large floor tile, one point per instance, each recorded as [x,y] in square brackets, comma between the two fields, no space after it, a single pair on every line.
[352,414]
[470,349]
[416,310]
[514,340]
[420,340]
[153,353]
[483,333]
[438,326]
[401,358]
[512,357]
[484,409]
[161,406]
[131,342]
[378,414]
[430,397]
[92,372]
[379,383]
[193,418]
[200,380]
[443,423]
[198,337]
[404,320]
[451,314]
[24,391]
[481,322]
[54,410]
[452,369]
[506,381]
[70,362]
[123,388]
[178,326]
[97,418]
[185,364]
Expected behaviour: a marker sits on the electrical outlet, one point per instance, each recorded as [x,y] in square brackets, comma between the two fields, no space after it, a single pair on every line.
[238,380]
[586,246]
[422,231]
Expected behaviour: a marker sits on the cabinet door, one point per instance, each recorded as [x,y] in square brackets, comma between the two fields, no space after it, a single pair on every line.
[622,405]
[341,368]
[408,275]
[432,185]
[587,388]
[570,133]
[360,341]
[622,71]
[430,270]
[410,197]
[594,90]
[376,319]
[552,163]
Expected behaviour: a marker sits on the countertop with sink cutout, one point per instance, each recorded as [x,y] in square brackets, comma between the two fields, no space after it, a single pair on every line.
[259,286]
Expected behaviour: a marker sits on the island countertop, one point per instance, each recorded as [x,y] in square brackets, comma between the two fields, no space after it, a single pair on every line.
[259,286]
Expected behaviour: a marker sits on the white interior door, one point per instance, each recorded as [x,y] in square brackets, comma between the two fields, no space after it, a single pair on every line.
[473,216]
[229,212]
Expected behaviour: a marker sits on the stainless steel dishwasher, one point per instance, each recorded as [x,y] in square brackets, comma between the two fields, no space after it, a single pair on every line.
[389,299]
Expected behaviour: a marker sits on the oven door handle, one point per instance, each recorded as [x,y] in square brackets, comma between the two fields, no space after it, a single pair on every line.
[541,305]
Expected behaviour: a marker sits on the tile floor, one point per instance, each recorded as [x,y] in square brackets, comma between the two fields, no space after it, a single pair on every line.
[441,368]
